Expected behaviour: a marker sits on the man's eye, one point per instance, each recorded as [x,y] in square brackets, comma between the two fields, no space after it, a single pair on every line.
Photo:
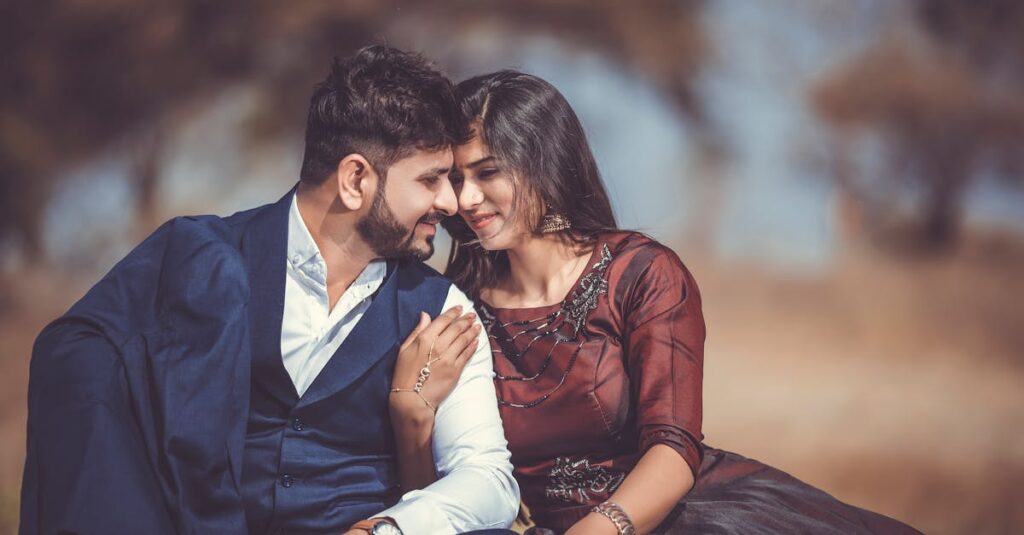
[455,178]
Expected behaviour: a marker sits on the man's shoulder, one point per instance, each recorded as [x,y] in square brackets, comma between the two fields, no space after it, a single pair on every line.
[420,269]
[204,248]
[200,226]
[419,278]
[243,217]
[213,228]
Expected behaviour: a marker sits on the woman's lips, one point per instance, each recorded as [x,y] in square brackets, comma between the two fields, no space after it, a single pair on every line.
[479,222]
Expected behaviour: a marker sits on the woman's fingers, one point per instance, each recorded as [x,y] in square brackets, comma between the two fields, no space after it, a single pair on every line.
[450,336]
[461,341]
[462,358]
[439,325]
[423,324]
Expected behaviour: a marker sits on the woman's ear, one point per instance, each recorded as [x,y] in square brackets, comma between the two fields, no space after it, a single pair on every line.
[356,181]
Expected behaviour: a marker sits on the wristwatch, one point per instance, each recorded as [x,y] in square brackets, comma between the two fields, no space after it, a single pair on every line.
[379,526]
[386,527]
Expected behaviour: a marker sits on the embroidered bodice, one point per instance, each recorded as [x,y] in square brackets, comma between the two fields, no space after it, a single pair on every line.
[586,386]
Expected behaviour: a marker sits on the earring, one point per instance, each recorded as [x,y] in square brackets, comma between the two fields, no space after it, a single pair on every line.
[553,223]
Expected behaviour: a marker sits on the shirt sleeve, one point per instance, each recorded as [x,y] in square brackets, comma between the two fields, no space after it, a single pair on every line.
[664,346]
[475,488]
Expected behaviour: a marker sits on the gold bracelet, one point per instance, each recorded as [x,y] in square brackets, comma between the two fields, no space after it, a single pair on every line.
[614,512]
[424,375]
[417,392]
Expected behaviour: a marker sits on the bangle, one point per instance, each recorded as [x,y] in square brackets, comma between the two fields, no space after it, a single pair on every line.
[614,512]
[417,392]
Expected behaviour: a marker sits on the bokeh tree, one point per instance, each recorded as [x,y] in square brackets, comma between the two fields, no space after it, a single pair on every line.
[943,100]
[82,77]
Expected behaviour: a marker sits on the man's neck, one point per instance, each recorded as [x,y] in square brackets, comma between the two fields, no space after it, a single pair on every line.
[333,229]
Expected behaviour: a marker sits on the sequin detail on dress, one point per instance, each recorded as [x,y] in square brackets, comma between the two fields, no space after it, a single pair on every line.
[584,299]
[563,325]
[574,481]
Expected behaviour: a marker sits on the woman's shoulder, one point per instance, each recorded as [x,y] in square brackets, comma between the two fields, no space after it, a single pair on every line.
[626,246]
[640,263]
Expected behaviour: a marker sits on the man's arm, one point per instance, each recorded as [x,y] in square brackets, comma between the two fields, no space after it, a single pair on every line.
[86,470]
[476,489]
[138,396]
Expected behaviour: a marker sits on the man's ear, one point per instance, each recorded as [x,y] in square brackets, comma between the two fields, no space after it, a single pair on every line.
[356,181]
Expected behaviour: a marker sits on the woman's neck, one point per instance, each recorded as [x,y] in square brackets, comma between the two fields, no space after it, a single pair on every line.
[542,270]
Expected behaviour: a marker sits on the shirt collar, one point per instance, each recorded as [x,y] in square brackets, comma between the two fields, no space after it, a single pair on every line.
[301,247]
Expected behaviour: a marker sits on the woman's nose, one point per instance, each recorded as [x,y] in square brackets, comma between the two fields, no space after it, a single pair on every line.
[470,195]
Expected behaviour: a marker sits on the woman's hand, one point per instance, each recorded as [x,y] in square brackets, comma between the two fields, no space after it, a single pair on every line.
[430,362]
[433,357]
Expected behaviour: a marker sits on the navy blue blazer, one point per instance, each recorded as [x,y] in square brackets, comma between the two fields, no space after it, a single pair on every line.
[141,394]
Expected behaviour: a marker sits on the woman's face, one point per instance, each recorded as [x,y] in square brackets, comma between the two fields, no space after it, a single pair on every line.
[486,197]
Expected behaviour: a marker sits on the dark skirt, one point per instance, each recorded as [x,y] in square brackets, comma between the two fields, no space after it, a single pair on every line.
[734,495]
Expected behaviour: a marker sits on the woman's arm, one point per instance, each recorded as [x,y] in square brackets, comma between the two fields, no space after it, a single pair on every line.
[655,485]
[475,489]
[413,424]
[663,344]
[442,346]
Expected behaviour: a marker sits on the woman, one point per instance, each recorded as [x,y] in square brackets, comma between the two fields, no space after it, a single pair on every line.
[597,337]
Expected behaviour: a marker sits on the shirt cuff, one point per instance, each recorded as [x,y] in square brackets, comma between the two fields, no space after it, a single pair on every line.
[418,516]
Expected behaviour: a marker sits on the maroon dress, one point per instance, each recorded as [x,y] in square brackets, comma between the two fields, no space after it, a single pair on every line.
[586,386]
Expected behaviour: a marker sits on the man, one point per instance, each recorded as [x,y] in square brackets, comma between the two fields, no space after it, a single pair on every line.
[233,375]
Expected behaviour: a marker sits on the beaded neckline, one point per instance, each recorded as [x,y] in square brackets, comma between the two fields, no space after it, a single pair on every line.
[563,325]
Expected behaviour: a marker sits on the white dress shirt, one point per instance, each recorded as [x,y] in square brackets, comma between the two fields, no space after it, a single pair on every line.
[475,489]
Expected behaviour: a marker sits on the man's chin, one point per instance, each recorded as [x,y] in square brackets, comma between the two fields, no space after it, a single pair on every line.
[419,250]
[422,250]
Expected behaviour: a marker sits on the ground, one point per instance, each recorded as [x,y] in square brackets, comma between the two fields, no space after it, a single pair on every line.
[891,383]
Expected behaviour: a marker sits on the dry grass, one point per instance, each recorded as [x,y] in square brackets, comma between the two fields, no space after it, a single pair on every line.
[893,384]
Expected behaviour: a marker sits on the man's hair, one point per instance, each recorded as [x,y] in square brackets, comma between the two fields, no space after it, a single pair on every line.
[381,103]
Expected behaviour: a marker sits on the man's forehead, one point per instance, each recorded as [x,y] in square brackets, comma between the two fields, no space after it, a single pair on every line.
[426,160]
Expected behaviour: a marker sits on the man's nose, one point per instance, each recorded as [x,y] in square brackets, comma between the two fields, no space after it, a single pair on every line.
[446,200]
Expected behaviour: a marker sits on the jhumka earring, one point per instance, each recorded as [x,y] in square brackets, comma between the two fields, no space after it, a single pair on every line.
[553,223]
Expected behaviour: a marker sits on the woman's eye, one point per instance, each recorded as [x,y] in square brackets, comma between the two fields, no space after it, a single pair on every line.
[487,173]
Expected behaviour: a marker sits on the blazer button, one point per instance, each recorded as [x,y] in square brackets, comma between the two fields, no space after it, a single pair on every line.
[287,481]
[298,425]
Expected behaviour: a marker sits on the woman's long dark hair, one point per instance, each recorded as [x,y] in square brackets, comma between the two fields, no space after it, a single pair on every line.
[536,137]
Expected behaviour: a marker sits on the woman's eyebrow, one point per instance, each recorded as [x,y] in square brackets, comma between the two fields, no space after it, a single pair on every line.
[479,162]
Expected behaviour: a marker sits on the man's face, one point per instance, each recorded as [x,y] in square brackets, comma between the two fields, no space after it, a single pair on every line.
[415,197]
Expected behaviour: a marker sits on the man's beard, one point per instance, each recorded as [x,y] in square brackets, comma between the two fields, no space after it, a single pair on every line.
[390,239]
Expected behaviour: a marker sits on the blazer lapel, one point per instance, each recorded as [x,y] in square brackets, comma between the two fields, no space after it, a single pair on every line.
[376,334]
[264,246]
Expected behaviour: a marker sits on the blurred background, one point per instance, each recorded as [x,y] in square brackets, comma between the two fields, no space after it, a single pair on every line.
[843,177]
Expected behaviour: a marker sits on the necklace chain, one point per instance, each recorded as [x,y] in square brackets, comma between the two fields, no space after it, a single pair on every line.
[572,313]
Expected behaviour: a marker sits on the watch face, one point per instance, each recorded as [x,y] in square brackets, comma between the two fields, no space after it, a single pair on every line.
[386,528]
